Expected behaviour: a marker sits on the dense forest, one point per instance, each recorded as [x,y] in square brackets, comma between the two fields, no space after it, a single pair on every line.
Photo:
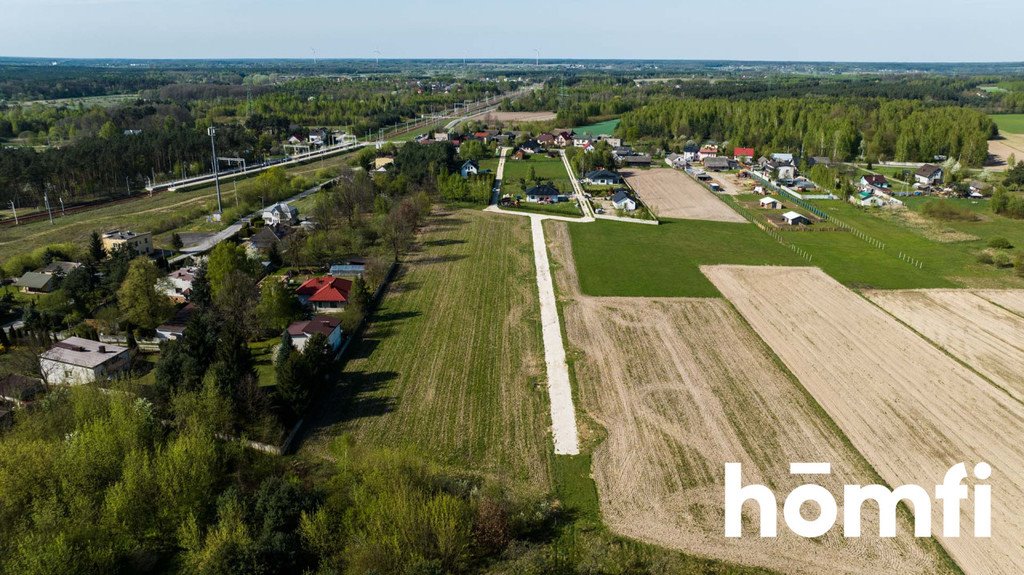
[843,129]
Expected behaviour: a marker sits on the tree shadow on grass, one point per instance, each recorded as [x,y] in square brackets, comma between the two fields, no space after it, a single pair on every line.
[444,242]
[395,316]
[443,259]
[356,396]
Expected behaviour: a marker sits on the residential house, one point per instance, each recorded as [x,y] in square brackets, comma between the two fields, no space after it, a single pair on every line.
[563,139]
[929,175]
[584,140]
[77,360]
[787,172]
[281,213]
[324,292]
[602,178]
[141,244]
[743,154]
[330,327]
[440,136]
[691,152]
[520,154]
[675,161]
[469,168]
[707,151]
[178,284]
[795,219]
[874,181]
[717,163]
[546,139]
[36,282]
[770,203]
[868,199]
[545,194]
[380,164]
[783,158]
[613,142]
[175,327]
[622,201]
[531,147]
[318,137]
[20,390]
[259,244]
[820,161]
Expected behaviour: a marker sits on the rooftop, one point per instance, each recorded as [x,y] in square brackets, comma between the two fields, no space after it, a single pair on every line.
[319,324]
[82,352]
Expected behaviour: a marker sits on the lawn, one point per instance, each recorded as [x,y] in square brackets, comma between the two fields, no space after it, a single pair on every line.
[451,366]
[559,209]
[622,259]
[545,169]
[606,128]
[1012,123]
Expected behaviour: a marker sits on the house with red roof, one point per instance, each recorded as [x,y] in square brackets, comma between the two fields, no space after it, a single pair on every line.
[302,330]
[745,154]
[325,292]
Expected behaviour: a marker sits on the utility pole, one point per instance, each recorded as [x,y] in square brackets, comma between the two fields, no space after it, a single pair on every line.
[127,186]
[61,200]
[216,173]
[15,212]
[46,200]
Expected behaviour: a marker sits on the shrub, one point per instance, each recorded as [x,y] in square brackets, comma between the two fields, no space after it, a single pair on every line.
[985,258]
[948,211]
[1000,243]
[1002,260]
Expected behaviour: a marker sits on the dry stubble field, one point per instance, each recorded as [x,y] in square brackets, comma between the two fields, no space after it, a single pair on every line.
[912,411]
[450,364]
[673,194]
[1010,299]
[519,116]
[974,330]
[678,401]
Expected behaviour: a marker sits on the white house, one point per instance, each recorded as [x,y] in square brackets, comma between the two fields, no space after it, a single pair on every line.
[470,168]
[76,360]
[783,158]
[795,219]
[281,213]
[330,327]
[602,178]
[622,201]
[929,175]
[770,203]
[676,160]
[707,152]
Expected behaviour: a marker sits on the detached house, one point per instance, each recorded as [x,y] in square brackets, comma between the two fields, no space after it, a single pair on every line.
[622,201]
[325,292]
[602,178]
[330,327]
[743,154]
[563,139]
[545,193]
[141,244]
[707,152]
[178,284]
[929,175]
[76,360]
[469,168]
[874,181]
[281,213]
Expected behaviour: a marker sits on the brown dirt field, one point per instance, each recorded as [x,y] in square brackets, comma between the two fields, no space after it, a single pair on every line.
[1011,299]
[1002,149]
[678,401]
[911,410]
[673,194]
[983,335]
[510,117]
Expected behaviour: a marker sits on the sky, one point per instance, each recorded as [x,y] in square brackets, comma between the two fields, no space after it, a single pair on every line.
[795,30]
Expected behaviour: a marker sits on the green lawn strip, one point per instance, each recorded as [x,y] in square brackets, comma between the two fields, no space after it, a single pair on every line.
[622,259]
[1012,123]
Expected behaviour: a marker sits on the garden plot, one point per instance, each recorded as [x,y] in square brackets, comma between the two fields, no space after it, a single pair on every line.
[910,409]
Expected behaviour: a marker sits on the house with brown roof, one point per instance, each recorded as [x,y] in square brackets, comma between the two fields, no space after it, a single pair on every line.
[929,175]
[328,326]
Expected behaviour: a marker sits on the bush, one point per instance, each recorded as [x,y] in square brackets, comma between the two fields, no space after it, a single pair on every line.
[985,258]
[1000,243]
[1002,260]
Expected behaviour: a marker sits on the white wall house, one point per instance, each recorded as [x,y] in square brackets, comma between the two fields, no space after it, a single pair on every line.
[622,201]
[281,213]
[75,361]
[329,326]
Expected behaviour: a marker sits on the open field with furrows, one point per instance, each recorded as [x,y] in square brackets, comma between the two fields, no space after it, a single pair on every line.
[673,194]
[139,215]
[678,401]
[910,409]
[452,366]
[972,329]
[622,259]
[516,117]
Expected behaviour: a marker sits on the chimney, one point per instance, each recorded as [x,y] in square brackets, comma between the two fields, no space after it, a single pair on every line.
[102,348]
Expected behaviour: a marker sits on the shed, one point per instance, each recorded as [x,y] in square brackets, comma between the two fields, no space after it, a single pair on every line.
[795,219]
[770,203]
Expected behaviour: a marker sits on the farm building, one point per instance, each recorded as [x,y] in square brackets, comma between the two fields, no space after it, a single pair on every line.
[622,201]
[795,219]
[77,360]
[324,292]
[770,203]
[707,151]
[636,160]
[330,327]
[602,178]
[717,164]
[544,193]
[929,175]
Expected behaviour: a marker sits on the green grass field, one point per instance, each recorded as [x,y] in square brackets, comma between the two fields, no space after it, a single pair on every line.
[452,364]
[546,170]
[606,127]
[1012,123]
[622,259]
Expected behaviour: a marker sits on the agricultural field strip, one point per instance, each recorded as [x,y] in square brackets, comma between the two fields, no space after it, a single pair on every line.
[1012,300]
[678,400]
[911,410]
[675,195]
[976,331]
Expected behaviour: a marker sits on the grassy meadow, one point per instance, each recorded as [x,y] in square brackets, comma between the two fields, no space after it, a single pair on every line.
[1012,123]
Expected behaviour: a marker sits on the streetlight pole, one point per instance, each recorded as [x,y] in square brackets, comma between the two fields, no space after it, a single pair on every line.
[216,173]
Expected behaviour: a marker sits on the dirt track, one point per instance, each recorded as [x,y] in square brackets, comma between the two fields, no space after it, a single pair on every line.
[673,194]
[912,411]
[680,400]
[974,330]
